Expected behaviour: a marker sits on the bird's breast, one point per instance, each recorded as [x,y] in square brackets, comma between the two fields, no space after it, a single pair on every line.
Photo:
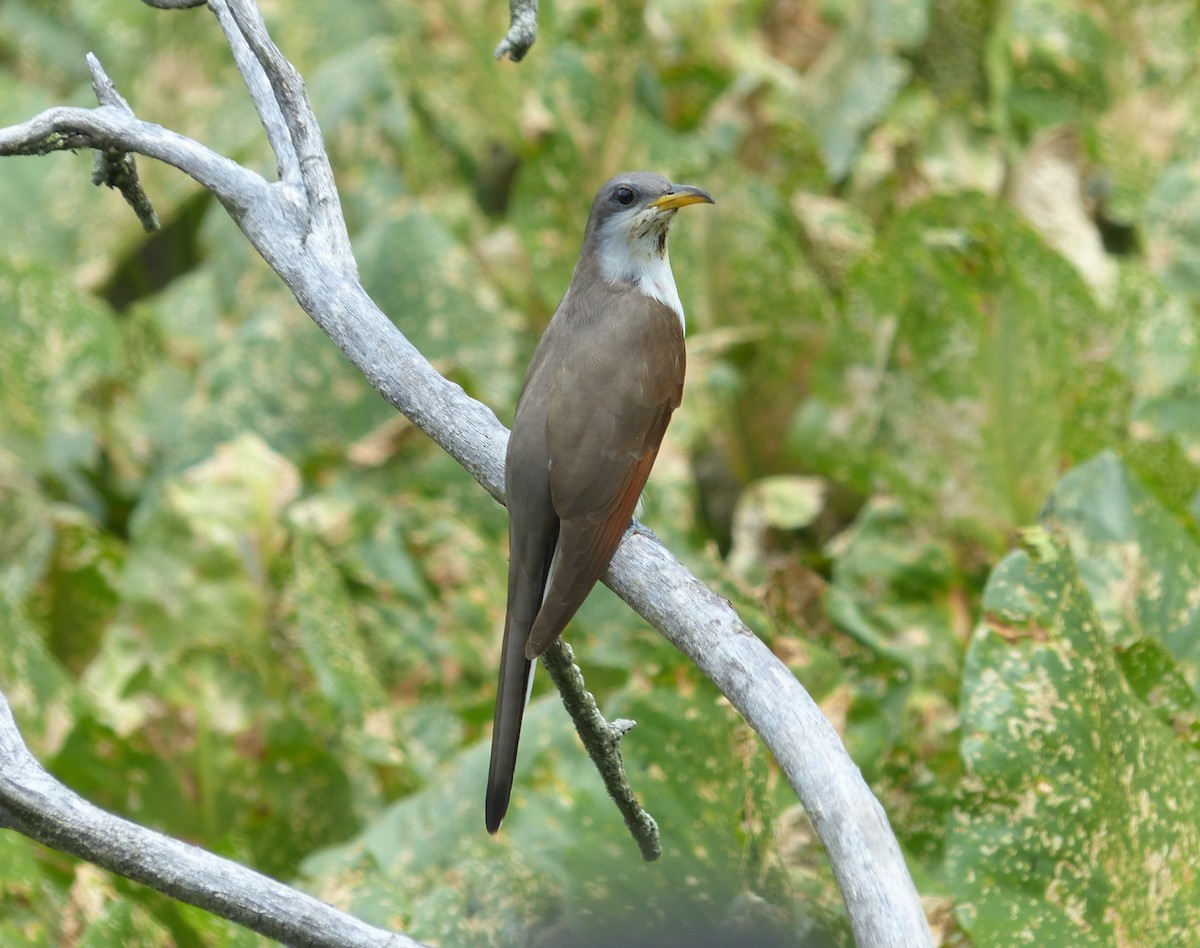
[658,282]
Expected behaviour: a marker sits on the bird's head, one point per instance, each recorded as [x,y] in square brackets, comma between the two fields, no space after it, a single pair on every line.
[631,215]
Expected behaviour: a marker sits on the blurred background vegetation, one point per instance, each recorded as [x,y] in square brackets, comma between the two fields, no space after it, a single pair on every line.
[949,291]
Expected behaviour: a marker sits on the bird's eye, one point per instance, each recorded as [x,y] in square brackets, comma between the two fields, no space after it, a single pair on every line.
[624,195]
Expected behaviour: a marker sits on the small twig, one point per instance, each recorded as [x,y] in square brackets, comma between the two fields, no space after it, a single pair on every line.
[603,743]
[522,30]
[106,92]
[113,167]
[174,4]
[32,802]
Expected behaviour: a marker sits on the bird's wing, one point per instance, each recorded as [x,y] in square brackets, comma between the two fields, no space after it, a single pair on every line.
[601,449]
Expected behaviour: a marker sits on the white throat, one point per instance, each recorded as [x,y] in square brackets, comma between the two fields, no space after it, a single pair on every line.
[629,253]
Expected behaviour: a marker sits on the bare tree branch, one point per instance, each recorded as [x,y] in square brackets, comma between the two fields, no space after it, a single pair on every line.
[106,127]
[297,226]
[603,742]
[522,30]
[34,803]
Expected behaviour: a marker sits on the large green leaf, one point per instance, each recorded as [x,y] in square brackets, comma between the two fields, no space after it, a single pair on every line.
[1159,355]
[280,378]
[1079,824]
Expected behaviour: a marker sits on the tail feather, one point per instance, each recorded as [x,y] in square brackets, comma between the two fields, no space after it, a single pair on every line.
[512,692]
[532,538]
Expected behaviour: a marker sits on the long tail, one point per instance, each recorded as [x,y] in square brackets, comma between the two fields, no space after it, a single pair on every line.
[512,693]
[532,538]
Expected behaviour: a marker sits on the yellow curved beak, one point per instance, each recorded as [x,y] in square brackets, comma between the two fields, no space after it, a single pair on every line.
[681,195]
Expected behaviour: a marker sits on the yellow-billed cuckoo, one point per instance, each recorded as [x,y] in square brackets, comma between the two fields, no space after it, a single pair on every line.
[599,392]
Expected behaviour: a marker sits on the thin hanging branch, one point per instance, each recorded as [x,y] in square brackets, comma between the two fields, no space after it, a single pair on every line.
[297,226]
[602,739]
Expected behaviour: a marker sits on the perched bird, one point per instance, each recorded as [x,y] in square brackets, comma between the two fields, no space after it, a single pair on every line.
[597,398]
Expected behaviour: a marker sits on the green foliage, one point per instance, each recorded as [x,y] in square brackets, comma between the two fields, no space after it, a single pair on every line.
[961,361]
[55,376]
[242,602]
[1077,823]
